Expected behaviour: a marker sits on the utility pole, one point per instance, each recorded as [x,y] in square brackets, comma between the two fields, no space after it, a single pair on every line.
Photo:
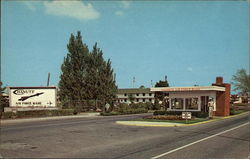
[48,80]
[133,82]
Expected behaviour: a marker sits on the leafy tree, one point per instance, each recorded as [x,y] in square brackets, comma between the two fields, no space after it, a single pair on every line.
[131,97]
[142,86]
[241,82]
[162,84]
[2,100]
[85,75]
[160,95]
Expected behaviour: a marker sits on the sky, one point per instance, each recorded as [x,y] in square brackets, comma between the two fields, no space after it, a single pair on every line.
[190,42]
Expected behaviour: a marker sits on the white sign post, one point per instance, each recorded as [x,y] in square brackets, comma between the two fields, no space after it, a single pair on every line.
[24,97]
[186,115]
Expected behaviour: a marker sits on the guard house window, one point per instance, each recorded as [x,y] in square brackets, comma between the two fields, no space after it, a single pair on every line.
[177,103]
[143,94]
[191,103]
[125,94]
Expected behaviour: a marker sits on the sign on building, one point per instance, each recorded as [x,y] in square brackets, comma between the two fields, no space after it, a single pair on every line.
[32,96]
[186,115]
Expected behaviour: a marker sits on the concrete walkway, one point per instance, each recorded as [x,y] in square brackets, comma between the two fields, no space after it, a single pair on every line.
[18,120]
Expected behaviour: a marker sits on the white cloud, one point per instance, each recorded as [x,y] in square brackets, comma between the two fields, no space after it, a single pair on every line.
[72,9]
[126,4]
[119,13]
[190,69]
[30,5]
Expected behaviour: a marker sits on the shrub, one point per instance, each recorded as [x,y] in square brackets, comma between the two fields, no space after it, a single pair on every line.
[8,115]
[121,107]
[127,111]
[196,114]
[165,117]
[110,113]
[37,113]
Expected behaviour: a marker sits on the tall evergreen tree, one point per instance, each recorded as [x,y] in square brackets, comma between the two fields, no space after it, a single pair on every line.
[86,75]
[72,83]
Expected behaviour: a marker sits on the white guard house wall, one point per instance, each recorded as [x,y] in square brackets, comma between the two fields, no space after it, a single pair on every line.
[32,98]
[188,96]
[196,98]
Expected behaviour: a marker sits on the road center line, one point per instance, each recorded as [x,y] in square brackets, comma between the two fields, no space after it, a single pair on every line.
[166,153]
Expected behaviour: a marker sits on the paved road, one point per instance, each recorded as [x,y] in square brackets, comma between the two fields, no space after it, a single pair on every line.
[101,137]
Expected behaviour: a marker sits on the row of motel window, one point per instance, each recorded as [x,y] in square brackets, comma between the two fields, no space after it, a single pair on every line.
[190,103]
[137,94]
[137,100]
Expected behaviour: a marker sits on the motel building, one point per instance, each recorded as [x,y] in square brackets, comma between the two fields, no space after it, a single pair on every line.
[140,95]
[199,98]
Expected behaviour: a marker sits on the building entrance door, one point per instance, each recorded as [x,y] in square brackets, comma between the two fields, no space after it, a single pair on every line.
[204,103]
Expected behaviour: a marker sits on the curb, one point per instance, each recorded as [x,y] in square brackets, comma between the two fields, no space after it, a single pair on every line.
[15,121]
[168,124]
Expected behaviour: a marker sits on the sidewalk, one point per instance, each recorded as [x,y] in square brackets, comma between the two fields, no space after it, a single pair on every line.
[18,120]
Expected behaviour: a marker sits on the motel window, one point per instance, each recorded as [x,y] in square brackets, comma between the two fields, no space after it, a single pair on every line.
[177,103]
[191,103]
[125,94]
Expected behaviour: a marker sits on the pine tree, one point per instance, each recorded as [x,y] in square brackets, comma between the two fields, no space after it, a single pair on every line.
[72,83]
[86,75]
[101,77]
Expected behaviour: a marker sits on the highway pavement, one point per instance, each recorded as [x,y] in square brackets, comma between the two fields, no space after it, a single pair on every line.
[100,137]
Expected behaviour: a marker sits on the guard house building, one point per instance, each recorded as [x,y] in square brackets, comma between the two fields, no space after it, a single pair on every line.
[199,98]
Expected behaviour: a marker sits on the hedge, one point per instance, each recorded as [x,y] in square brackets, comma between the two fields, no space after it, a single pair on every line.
[127,111]
[37,113]
[196,114]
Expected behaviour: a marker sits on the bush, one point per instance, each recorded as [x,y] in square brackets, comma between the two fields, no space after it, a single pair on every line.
[110,113]
[37,113]
[165,117]
[121,107]
[127,111]
[8,115]
[196,114]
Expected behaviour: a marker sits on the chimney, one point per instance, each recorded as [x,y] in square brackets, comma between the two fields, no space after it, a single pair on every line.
[219,80]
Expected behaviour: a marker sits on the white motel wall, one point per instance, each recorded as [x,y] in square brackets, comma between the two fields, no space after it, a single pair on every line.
[32,98]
